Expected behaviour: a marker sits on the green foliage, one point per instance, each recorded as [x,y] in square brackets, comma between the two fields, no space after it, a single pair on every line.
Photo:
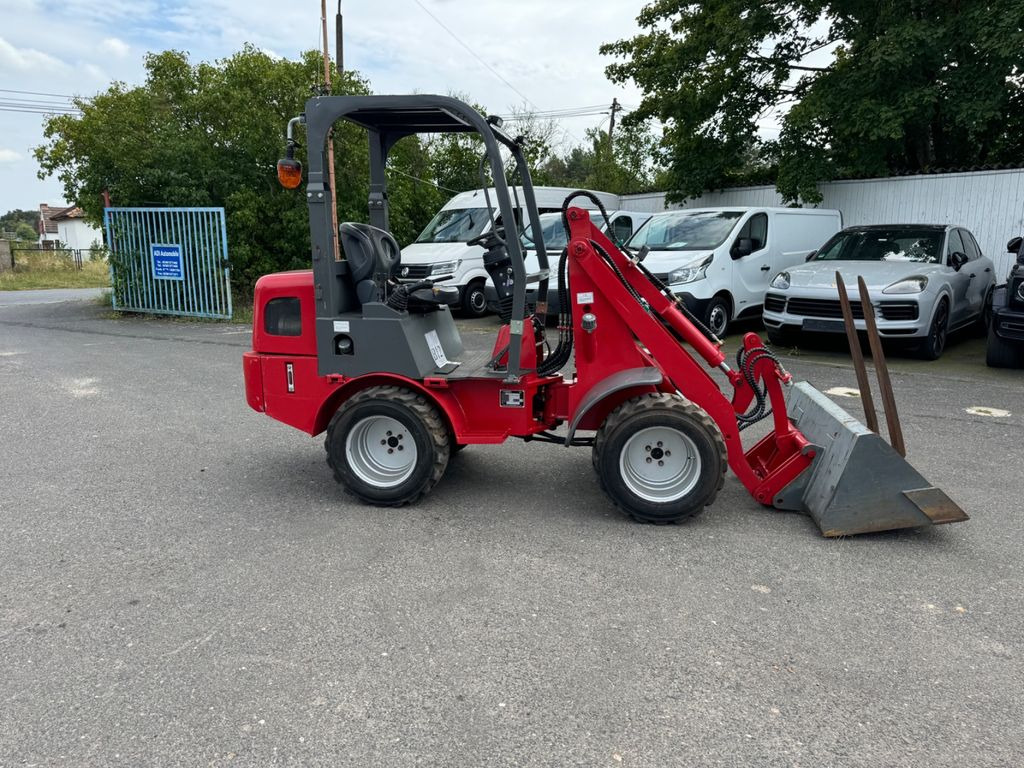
[21,223]
[211,134]
[912,86]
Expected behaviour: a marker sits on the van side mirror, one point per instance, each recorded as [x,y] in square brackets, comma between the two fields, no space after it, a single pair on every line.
[1014,245]
[743,247]
[958,259]
[810,255]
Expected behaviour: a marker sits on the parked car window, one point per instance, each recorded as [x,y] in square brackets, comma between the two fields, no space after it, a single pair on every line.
[954,244]
[973,251]
[755,229]
[622,229]
[896,244]
[685,230]
[283,316]
[552,230]
[455,225]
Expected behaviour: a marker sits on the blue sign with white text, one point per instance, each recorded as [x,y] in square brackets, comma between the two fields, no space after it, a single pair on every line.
[167,262]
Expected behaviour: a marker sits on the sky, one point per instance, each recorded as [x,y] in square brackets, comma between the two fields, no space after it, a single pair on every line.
[536,53]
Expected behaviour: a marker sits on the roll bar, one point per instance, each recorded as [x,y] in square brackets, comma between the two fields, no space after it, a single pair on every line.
[387,119]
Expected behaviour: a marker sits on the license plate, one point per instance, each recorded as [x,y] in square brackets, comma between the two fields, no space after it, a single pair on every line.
[823,326]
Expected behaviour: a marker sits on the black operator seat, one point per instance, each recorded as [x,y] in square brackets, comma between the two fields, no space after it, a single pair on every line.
[372,255]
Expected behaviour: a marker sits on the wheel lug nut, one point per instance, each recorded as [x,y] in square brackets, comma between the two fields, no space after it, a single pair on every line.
[659,443]
[383,442]
[389,433]
[401,448]
[668,453]
[648,459]
[661,463]
[391,450]
[647,448]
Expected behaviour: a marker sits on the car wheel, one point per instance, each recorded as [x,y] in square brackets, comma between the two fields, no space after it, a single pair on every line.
[935,342]
[781,337]
[981,325]
[474,300]
[1000,353]
[716,316]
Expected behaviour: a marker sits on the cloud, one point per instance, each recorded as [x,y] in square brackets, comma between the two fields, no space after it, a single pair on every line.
[26,59]
[115,47]
[9,156]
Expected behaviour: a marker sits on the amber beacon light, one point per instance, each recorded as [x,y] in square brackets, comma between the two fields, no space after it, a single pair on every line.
[289,170]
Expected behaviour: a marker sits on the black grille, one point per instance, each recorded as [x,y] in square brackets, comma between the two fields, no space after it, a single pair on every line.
[822,308]
[414,271]
[899,310]
[774,303]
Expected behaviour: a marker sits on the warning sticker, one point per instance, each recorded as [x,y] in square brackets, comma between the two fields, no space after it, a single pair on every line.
[436,350]
[585,298]
[341,326]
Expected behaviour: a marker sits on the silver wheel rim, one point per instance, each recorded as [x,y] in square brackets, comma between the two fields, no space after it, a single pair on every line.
[660,464]
[717,319]
[381,451]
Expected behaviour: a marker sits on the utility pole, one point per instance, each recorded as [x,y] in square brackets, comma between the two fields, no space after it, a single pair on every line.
[616,107]
[338,40]
[330,137]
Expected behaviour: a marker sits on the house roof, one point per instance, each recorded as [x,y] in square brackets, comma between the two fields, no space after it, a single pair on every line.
[49,216]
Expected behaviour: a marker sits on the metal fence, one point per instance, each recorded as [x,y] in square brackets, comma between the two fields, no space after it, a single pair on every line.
[989,203]
[171,261]
[71,256]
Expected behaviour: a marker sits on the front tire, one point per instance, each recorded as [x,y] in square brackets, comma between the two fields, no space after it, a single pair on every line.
[387,446]
[474,300]
[1000,353]
[716,316]
[935,342]
[660,458]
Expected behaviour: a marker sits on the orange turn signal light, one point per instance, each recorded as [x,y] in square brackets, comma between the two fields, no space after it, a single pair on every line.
[289,172]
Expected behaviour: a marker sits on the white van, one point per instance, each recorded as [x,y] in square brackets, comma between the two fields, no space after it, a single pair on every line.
[719,260]
[441,251]
[620,226]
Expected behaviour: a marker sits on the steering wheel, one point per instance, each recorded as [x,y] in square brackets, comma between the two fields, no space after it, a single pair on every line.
[488,240]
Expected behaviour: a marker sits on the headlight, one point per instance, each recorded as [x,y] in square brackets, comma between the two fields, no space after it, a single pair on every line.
[914,284]
[690,274]
[1020,291]
[781,281]
[444,267]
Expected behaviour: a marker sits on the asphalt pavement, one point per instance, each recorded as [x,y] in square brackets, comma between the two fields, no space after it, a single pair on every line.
[182,583]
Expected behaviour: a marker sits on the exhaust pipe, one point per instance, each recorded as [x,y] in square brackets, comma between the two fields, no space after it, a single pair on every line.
[857,482]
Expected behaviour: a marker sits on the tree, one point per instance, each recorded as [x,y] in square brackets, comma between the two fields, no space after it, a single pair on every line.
[24,224]
[211,134]
[870,88]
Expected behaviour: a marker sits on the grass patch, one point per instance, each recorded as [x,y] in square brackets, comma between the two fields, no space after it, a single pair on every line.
[38,270]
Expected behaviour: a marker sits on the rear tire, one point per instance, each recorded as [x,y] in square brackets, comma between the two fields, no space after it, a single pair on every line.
[938,332]
[660,458]
[474,300]
[1000,353]
[387,446]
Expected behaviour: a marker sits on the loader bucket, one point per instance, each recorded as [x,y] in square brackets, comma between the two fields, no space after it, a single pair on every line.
[857,483]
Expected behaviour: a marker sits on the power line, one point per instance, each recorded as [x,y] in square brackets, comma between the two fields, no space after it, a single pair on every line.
[36,93]
[491,69]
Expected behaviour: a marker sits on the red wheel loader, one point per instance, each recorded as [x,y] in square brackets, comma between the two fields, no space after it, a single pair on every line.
[378,364]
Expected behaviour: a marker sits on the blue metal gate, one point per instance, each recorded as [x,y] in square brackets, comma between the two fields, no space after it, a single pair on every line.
[170,261]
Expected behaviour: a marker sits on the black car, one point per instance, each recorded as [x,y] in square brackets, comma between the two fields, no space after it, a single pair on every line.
[1006,329]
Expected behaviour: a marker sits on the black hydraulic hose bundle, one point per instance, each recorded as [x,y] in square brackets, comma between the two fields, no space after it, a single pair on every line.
[399,298]
[745,361]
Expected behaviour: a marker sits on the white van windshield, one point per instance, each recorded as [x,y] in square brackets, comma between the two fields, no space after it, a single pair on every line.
[454,225]
[685,230]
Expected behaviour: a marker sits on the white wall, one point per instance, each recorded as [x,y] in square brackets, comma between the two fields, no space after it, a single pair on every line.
[989,203]
[76,234]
